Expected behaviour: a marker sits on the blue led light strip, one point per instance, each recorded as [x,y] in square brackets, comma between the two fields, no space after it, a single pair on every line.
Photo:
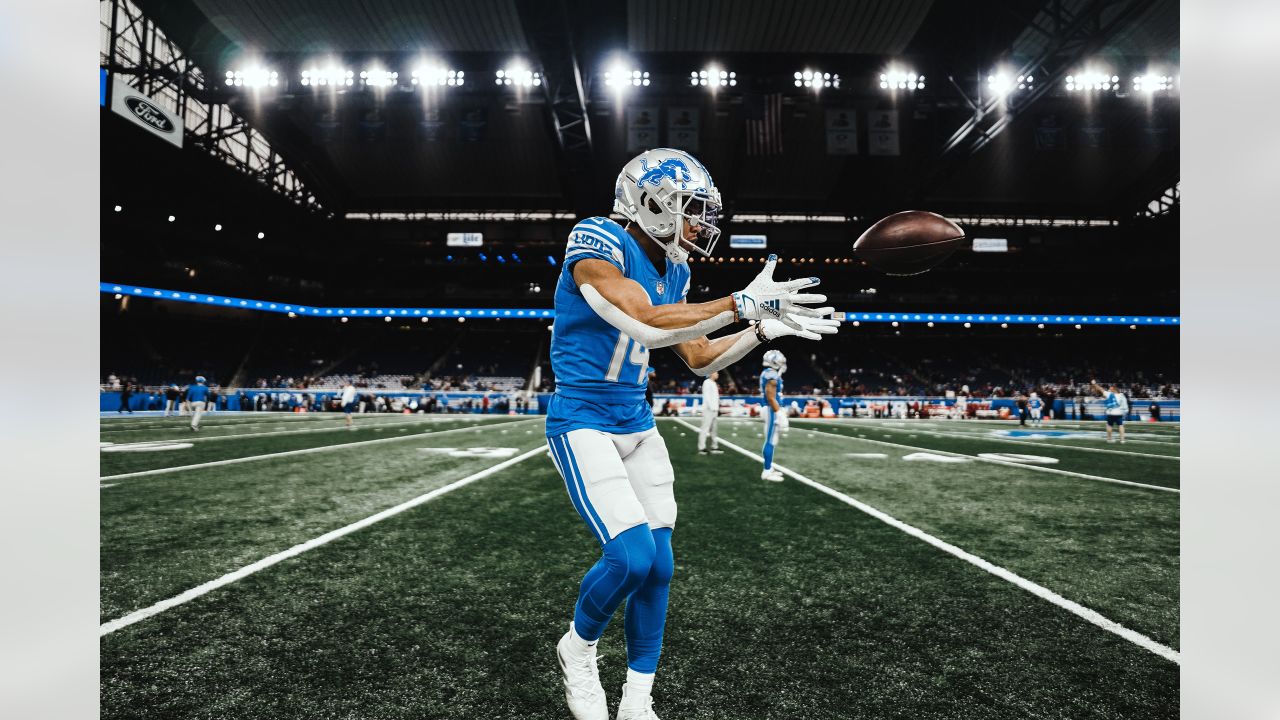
[311,311]
[861,317]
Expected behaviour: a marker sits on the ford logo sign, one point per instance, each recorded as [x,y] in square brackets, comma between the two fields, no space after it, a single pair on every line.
[147,112]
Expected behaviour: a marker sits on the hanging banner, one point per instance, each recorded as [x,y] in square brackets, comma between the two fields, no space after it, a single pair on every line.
[642,128]
[682,128]
[145,112]
[842,132]
[882,132]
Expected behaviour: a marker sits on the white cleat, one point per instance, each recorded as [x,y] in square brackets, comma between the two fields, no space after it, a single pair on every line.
[772,475]
[582,688]
[636,709]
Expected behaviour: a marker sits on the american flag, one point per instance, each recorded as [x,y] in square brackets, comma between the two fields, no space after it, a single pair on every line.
[764,124]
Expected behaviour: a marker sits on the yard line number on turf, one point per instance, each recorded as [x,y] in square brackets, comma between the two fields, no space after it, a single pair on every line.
[288,453]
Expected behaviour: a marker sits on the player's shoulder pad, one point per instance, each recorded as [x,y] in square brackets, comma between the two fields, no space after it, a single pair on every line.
[596,237]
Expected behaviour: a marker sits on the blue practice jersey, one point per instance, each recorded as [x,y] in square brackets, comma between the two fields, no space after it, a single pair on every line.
[1035,403]
[601,373]
[765,377]
[197,393]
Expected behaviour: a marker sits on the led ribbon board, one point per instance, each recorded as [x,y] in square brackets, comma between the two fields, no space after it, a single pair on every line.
[125,290]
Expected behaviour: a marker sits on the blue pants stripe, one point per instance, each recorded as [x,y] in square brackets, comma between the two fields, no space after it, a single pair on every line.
[582,488]
[571,485]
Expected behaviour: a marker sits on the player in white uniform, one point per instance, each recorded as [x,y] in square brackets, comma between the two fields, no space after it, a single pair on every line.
[1117,407]
[710,416]
[621,294]
[349,402]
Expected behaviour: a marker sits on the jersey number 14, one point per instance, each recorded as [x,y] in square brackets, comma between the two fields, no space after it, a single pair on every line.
[639,357]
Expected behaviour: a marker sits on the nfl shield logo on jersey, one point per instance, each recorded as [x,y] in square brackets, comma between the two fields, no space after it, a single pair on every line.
[661,287]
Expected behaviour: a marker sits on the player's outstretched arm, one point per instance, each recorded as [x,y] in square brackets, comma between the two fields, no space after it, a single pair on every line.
[622,303]
[705,356]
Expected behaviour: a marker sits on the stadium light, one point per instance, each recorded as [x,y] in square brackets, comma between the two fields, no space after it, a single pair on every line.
[1151,83]
[172,218]
[253,77]
[1001,84]
[217,227]
[517,75]
[119,208]
[331,76]
[261,235]
[437,75]
[895,79]
[713,77]
[377,77]
[620,78]
[816,79]
[1092,80]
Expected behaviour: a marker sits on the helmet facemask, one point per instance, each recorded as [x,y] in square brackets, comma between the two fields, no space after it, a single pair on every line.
[653,191]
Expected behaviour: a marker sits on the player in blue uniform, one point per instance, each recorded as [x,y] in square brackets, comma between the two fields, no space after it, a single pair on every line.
[1036,406]
[1117,407]
[197,395]
[775,416]
[621,293]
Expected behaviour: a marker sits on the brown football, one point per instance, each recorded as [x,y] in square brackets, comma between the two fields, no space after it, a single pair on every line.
[909,242]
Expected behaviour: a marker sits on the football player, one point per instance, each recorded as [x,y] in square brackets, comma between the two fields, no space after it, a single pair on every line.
[621,293]
[710,416]
[1117,407]
[196,396]
[1036,406]
[775,416]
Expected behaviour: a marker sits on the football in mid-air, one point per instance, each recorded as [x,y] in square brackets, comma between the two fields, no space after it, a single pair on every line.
[909,242]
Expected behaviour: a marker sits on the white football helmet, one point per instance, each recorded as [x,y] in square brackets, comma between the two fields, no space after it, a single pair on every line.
[776,360]
[658,188]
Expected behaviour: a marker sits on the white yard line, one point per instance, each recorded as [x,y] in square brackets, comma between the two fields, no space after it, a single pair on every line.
[338,427]
[195,592]
[179,423]
[1008,463]
[287,453]
[1027,443]
[1039,591]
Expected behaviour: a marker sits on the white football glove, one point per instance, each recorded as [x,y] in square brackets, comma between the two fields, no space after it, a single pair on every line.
[766,299]
[809,328]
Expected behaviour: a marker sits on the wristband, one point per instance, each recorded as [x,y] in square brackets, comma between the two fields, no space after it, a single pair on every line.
[760,333]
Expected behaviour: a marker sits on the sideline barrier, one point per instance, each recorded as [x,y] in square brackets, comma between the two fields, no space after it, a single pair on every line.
[457,401]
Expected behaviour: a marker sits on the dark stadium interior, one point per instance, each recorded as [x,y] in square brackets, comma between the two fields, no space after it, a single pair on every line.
[1068,182]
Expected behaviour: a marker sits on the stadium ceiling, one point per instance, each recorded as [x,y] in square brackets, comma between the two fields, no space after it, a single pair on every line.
[557,146]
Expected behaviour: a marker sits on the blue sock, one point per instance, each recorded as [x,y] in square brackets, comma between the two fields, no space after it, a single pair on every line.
[647,608]
[768,443]
[625,563]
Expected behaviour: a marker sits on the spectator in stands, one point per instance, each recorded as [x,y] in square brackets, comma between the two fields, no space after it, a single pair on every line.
[126,393]
[1154,409]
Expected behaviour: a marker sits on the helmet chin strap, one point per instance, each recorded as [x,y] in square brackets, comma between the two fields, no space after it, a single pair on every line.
[674,250]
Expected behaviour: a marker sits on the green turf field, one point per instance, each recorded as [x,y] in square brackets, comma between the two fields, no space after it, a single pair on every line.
[985,588]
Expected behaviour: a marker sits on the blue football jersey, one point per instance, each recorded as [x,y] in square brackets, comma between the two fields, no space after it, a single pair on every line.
[1035,403]
[765,377]
[601,373]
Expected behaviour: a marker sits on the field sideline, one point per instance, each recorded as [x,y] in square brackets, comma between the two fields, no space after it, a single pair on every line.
[423,567]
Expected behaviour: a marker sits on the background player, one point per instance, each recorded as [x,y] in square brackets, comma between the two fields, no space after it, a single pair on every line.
[1036,406]
[196,396]
[775,416]
[710,416]
[349,402]
[621,293]
[1117,407]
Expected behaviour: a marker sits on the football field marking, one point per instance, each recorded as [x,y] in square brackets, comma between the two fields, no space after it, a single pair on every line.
[266,562]
[288,453]
[1029,442]
[1007,463]
[1038,590]
[338,426]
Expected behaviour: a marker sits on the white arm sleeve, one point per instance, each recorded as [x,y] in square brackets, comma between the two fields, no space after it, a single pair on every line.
[745,343]
[647,335]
